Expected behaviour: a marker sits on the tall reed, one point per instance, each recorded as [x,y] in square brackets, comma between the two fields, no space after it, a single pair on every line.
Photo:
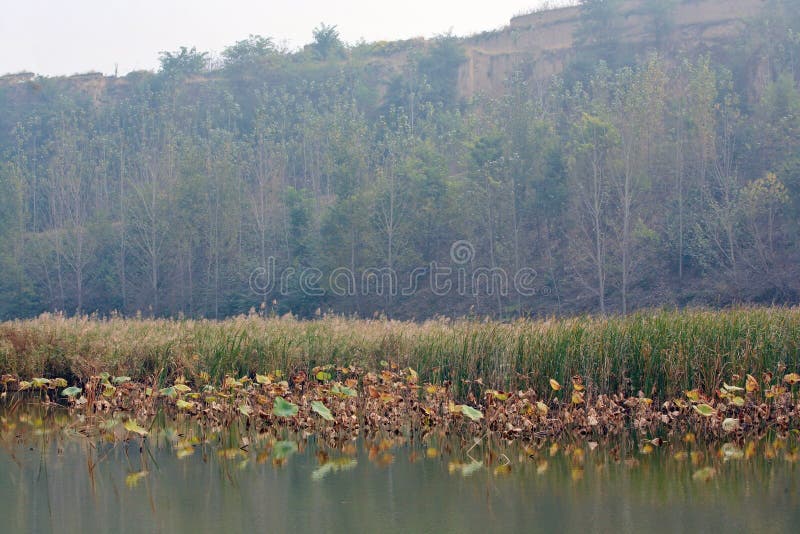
[658,352]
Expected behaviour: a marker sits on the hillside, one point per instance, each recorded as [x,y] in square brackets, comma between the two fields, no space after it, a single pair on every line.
[602,158]
[547,40]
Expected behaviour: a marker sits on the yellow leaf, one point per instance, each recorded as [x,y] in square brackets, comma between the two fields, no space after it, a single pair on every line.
[705,474]
[541,467]
[792,378]
[498,395]
[577,383]
[132,480]
[750,450]
[503,469]
[775,391]
[541,408]
[577,397]
[693,395]
[751,384]
[40,382]
[413,377]
[555,385]
[183,452]
[132,426]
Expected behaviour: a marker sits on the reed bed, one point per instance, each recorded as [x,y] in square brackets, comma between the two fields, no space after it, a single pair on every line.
[659,352]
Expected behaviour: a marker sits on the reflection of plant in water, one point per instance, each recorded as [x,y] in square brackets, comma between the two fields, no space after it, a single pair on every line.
[236,445]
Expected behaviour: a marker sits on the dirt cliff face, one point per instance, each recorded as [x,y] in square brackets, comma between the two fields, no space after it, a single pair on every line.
[545,41]
[542,42]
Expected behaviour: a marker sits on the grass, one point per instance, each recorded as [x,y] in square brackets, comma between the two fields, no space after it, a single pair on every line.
[659,352]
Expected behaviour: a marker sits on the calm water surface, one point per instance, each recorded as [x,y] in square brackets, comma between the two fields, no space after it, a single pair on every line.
[54,480]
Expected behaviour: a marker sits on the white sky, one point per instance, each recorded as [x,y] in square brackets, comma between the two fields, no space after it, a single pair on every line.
[54,37]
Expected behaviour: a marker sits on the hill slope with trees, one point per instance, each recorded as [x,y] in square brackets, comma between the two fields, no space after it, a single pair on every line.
[619,173]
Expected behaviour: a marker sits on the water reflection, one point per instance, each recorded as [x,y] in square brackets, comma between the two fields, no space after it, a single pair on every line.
[59,473]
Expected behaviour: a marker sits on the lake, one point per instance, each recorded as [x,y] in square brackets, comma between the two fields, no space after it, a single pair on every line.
[59,475]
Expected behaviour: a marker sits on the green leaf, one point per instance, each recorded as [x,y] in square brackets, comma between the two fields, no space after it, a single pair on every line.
[263,379]
[71,391]
[283,449]
[284,408]
[121,380]
[471,412]
[245,410]
[170,392]
[40,382]
[322,410]
[323,376]
[343,391]
[705,410]
[184,405]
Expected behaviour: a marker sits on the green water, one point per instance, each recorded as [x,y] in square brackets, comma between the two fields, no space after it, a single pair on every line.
[54,480]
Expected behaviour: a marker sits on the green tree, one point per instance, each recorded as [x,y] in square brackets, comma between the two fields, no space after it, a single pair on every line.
[327,43]
[183,62]
[249,50]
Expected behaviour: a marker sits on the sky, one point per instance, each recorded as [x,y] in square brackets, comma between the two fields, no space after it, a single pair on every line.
[62,37]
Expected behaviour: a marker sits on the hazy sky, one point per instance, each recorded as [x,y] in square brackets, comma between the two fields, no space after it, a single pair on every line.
[71,36]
